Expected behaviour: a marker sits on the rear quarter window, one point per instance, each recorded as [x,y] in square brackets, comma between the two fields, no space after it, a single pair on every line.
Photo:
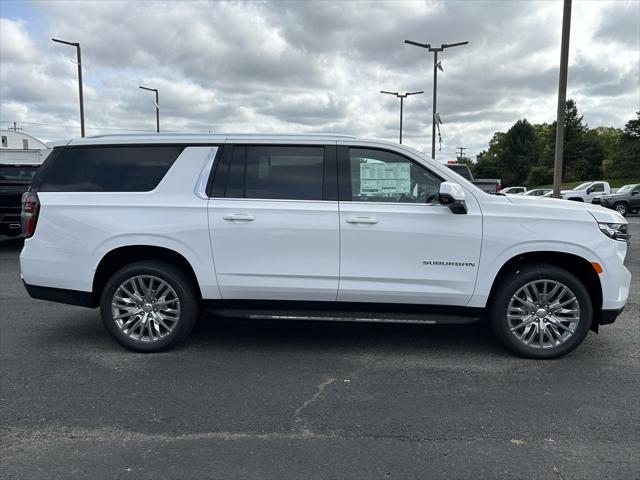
[136,168]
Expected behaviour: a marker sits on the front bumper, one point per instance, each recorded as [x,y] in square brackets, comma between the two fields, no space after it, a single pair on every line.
[607,317]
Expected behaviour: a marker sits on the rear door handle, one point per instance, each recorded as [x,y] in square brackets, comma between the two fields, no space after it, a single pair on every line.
[362,220]
[242,217]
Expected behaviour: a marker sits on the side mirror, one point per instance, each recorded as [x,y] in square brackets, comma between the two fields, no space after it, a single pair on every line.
[590,190]
[635,192]
[452,195]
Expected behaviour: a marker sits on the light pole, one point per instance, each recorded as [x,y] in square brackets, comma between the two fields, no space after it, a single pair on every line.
[401,96]
[562,97]
[157,106]
[436,66]
[79,62]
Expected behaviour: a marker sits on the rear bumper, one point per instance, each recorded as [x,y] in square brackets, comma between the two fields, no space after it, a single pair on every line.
[61,295]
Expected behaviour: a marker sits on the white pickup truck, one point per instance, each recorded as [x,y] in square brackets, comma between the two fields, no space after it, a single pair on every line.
[586,192]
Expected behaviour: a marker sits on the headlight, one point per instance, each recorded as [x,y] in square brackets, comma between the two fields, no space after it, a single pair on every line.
[616,231]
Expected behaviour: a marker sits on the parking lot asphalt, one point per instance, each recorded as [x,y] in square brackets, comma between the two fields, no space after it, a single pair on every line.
[261,399]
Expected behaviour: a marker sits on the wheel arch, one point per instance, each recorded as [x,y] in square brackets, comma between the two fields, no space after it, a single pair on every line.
[575,264]
[119,257]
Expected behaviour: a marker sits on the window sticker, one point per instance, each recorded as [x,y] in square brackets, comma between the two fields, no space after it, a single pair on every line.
[385,179]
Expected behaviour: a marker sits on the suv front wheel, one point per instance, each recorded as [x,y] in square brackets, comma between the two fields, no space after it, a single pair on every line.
[541,311]
[149,306]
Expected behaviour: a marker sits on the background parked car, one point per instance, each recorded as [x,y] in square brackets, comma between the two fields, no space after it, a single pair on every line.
[14,181]
[488,185]
[537,192]
[514,190]
[625,200]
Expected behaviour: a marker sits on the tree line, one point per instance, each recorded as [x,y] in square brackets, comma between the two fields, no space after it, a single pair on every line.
[524,155]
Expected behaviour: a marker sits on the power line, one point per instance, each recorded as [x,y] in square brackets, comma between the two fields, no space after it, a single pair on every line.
[75,126]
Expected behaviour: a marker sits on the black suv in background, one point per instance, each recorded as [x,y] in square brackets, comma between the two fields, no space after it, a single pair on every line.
[14,181]
[625,200]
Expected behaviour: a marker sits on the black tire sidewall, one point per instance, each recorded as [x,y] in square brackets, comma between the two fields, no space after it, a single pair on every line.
[178,280]
[522,276]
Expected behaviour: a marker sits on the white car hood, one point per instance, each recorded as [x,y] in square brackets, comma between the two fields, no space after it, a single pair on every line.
[601,214]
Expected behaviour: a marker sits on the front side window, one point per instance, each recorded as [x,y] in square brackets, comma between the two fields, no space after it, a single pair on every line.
[273,172]
[25,144]
[598,187]
[381,176]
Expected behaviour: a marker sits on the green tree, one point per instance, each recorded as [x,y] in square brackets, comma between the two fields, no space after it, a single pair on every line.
[519,153]
[582,155]
[486,161]
[625,162]
[539,175]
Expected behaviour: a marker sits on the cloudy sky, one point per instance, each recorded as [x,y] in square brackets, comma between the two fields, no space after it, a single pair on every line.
[314,66]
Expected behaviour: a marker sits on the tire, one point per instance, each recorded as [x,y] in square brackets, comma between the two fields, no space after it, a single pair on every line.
[562,331]
[145,329]
[621,208]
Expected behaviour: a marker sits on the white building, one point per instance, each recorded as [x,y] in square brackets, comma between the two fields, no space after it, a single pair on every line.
[21,149]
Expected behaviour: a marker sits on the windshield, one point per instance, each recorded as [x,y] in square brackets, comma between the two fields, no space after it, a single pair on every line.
[625,189]
[582,186]
[17,173]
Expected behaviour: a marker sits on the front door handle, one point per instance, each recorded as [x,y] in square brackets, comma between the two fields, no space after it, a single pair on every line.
[363,220]
[242,217]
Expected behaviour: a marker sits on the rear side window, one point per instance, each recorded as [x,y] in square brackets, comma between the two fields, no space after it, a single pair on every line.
[136,168]
[270,172]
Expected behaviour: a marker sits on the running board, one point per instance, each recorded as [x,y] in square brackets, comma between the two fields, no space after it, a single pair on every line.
[347,316]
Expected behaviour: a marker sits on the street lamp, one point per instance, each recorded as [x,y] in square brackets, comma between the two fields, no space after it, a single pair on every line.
[157,102]
[436,66]
[79,62]
[401,96]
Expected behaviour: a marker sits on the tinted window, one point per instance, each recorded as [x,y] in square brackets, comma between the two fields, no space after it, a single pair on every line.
[106,169]
[461,169]
[293,173]
[598,187]
[22,174]
[380,176]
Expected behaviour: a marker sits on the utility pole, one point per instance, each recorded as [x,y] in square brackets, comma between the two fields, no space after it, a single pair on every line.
[401,96]
[562,98]
[157,103]
[436,65]
[15,127]
[79,62]
[461,153]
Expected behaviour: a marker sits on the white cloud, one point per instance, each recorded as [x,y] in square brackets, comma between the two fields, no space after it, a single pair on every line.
[315,66]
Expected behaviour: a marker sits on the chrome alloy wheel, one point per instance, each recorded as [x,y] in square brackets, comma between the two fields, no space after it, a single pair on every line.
[145,308]
[543,314]
[621,208]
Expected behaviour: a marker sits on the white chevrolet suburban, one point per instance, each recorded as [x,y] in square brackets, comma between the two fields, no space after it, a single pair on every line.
[155,229]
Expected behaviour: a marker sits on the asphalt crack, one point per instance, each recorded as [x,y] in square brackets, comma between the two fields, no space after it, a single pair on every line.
[300,423]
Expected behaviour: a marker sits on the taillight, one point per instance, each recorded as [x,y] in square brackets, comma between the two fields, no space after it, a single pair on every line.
[498,187]
[30,210]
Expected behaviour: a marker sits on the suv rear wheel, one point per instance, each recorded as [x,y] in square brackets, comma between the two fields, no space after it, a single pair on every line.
[149,306]
[541,311]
